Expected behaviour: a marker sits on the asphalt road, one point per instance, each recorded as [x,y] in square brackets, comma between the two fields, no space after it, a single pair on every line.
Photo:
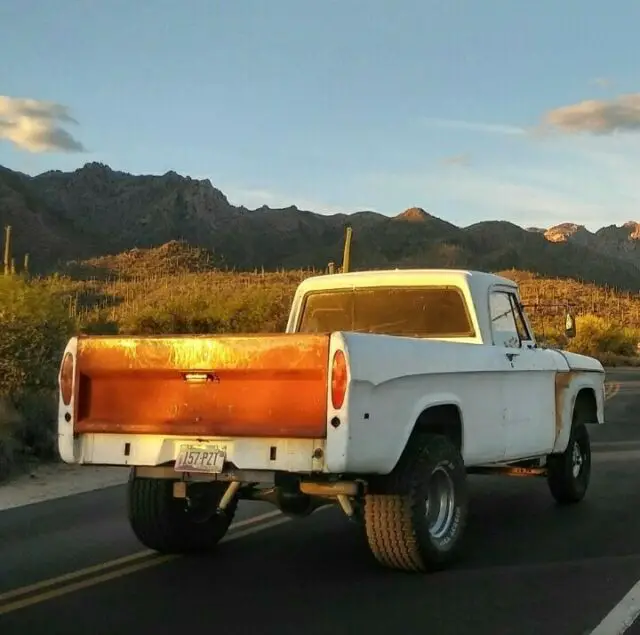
[530,567]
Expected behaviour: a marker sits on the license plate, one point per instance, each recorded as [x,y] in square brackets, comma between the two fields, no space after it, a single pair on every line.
[207,458]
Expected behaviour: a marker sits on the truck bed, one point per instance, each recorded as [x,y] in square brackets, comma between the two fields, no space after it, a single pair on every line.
[237,385]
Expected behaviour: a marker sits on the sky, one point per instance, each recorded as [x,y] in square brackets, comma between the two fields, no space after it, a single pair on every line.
[500,109]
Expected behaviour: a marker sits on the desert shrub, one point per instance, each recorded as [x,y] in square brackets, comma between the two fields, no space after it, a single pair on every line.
[34,328]
[597,335]
[611,359]
[551,338]
[9,425]
[36,432]
[98,324]
[202,309]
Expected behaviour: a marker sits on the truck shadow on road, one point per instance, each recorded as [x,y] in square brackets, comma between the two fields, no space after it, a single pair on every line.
[512,522]
[515,521]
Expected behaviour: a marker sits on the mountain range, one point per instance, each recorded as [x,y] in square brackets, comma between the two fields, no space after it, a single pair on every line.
[58,217]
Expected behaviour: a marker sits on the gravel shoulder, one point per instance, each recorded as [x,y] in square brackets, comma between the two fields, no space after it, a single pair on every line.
[55,480]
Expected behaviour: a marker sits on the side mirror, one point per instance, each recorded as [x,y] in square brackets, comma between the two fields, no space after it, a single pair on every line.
[570,326]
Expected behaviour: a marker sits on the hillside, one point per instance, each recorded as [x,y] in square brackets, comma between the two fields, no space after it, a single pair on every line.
[94,211]
[176,276]
[167,288]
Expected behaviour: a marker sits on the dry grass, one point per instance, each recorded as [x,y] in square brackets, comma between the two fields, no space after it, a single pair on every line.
[219,301]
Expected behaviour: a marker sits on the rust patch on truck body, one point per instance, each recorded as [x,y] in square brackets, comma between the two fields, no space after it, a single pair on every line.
[240,385]
[562,383]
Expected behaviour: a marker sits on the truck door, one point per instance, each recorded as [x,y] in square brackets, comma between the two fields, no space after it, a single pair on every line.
[528,385]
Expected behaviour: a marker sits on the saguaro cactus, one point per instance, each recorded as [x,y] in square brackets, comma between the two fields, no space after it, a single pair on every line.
[346,257]
[7,250]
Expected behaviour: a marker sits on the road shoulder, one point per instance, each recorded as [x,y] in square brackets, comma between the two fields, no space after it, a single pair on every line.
[55,480]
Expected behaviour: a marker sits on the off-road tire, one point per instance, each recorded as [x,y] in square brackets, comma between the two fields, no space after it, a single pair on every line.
[565,486]
[395,518]
[163,523]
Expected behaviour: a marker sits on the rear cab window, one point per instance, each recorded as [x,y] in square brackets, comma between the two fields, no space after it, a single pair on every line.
[437,312]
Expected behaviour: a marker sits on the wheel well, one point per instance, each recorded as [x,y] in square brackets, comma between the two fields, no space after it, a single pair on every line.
[444,419]
[586,401]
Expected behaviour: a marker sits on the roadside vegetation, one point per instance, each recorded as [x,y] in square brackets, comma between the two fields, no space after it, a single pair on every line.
[38,315]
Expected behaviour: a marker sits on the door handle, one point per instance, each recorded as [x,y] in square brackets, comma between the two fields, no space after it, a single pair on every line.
[510,356]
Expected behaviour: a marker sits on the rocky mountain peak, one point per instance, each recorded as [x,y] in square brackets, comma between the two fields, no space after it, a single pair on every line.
[413,215]
[634,229]
[563,231]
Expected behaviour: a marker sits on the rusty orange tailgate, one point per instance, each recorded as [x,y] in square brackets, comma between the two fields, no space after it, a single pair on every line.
[241,385]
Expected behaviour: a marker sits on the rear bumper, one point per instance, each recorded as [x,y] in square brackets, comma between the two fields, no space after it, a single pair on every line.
[245,453]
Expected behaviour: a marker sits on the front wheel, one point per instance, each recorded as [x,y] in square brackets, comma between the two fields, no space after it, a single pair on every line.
[416,519]
[569,473]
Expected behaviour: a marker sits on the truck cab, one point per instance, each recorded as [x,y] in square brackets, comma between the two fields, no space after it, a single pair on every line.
[532,400]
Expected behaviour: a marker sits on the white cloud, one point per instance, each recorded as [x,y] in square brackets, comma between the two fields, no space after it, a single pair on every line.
[474,126]
[34,125]
[597,116]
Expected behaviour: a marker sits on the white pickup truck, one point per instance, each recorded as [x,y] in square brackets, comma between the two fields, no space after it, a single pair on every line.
[386,390]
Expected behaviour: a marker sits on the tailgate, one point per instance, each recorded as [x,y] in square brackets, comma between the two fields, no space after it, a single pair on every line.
[239,385]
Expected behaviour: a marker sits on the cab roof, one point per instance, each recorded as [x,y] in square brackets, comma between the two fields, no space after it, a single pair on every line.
[477,281]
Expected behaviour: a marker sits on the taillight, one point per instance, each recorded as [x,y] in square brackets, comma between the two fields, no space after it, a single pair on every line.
[338,379]
[66,379]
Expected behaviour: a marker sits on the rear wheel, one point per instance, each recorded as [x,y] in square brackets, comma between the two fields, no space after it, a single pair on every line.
[175,525]
[569,473]
[416,519]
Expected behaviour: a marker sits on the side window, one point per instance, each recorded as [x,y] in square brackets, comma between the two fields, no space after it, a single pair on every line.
[503,320]
[521,325]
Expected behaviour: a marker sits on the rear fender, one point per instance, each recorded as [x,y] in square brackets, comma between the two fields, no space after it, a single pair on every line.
[421,406]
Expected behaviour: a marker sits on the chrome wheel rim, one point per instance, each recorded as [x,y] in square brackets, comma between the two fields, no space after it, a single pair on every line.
[440,504]
[576,460]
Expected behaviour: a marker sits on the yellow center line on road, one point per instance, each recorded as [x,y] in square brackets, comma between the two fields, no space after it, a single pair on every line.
[122,571]
[82,584]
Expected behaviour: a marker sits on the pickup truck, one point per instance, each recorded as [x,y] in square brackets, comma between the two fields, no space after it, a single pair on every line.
[387,389]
